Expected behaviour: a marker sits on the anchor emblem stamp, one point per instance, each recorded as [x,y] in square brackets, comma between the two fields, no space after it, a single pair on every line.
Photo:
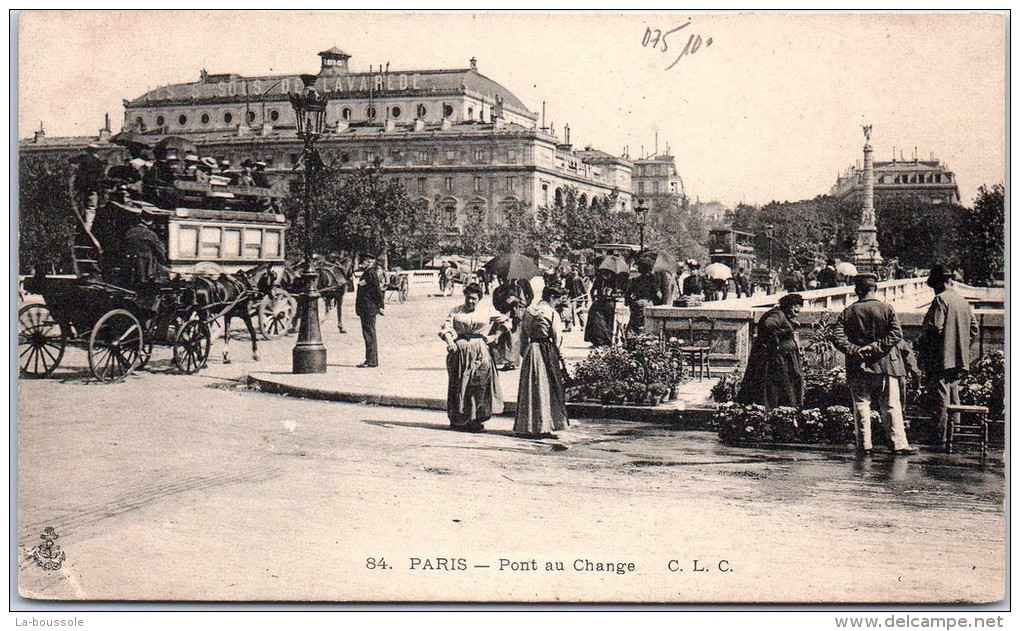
[48,554]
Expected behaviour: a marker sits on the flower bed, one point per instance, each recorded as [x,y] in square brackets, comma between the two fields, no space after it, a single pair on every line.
[833,425]
[641,372]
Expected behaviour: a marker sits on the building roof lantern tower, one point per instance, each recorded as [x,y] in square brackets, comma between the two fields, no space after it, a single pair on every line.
[334,61]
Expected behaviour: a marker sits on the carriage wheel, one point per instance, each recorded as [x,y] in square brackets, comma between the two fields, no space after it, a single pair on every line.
[115,346]
[403,289]
[275,315]
[191,346]
[41,341]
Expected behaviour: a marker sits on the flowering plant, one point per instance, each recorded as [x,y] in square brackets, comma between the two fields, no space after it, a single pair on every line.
[641,372]
[784,424]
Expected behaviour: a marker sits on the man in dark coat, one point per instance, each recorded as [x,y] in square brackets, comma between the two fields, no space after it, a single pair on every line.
[944,346]
[643,291]
[368,304]
[794,281]
[869,334]
[144,252]
[828,277]
[694,283]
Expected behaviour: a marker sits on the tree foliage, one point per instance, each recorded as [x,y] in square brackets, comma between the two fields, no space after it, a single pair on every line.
[570,226]
[672,227]
[45,213]
[803,231]
[917,232]
[362,211]
[981,236]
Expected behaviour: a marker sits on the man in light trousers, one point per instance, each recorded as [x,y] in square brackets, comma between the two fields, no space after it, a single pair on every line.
[868,333]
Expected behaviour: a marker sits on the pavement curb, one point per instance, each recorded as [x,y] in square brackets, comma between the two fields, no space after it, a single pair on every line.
[693,418]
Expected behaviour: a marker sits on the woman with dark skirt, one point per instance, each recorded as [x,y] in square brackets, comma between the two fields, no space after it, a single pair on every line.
[541,401]
[775,373]
[473,395]
[602,314]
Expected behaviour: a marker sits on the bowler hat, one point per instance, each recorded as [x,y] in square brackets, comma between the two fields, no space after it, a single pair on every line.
[939,273]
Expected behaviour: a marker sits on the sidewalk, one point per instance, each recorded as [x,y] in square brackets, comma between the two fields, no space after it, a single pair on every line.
[412,371]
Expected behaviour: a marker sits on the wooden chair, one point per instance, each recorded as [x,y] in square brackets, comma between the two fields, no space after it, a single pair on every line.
[697,355]
[967,423]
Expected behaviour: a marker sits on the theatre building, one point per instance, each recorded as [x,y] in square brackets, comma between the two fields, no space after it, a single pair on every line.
[454,138]
[924,179]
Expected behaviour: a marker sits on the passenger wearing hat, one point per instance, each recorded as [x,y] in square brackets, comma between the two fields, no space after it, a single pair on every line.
[144,252]
[259,176]
[693,284]
[369,303]
[869,334]
[944,346]
[828,277]
[89,181]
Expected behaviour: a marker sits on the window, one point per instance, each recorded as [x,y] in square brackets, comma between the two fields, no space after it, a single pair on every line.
[448,183]
[421,184]
[478,184]
[294,158]
[421,110]
[395,112]
[182,120]
[209,246]
[423,155]
[396,155]
[274,115]
[447,111]
[370,156]
[370,112]
[346,114]
[471,112]
[640,187]
[205,119]
[479,154]
[187,242]
[511,183]
[345,157]
[139,121]
[231,243]
[160,121]
[450,212]
[228,117]
[511,156]
[545,194]
[655,187]
[249,116]
[451,154]
[271,243]
[252,243]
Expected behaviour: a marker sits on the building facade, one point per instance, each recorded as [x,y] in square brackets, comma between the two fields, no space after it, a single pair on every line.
[453,138]
[656,176]
[925,179]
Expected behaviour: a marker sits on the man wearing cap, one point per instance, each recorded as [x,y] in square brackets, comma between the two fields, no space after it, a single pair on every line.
[369,303]
[944,346]
[869,333]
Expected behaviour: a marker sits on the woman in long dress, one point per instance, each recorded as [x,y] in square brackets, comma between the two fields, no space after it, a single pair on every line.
[775,373]
[602,314]
[541,401]
[473,395]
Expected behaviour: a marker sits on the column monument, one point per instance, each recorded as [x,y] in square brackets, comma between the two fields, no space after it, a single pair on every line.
[867,258]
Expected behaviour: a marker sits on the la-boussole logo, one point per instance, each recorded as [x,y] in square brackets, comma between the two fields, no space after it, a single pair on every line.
[48,554]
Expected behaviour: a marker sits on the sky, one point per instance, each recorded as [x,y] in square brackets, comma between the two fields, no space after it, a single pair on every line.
[763,106]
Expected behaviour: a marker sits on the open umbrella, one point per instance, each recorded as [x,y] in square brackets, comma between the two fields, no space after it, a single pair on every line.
[846,269]
[718,271]
[512,266]
[615,264]
[661,261]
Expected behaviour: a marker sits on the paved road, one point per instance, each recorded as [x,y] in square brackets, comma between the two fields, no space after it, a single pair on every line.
[170,486]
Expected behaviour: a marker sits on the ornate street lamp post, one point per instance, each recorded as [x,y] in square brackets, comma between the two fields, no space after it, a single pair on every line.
[309,355]
[770,234]
[642,211]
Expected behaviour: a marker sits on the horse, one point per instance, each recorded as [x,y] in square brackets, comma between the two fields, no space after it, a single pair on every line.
[333,279]
[243,290]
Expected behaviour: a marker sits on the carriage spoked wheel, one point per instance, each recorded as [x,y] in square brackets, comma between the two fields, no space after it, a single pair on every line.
[276,315]
[191,346]
[41,341]
[116,346]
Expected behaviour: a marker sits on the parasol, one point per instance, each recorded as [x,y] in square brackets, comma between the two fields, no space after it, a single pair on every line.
[615,264]
[718,271]
[846,269]
[512,267]
[661,261]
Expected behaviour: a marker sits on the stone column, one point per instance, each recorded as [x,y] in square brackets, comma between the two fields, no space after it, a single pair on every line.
[867,257]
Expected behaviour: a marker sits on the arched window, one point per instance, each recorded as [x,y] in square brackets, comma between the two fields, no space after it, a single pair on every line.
[160,121]
[370,112]
[274,115]
[346,114]
[471,112]
[139,121]
[558,199]
[421,110]
[447,111]
[395,112]
[205,118]
[582,201]
[182,120]
[228,117]
[249,116]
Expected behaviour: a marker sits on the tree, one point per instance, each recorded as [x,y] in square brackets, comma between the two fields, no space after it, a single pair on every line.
[570,226]
[46,224]
[981,235]
[916,232]
[803,231]
[671,227]
[361,211]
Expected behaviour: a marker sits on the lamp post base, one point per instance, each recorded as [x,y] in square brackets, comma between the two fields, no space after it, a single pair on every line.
[309,355]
